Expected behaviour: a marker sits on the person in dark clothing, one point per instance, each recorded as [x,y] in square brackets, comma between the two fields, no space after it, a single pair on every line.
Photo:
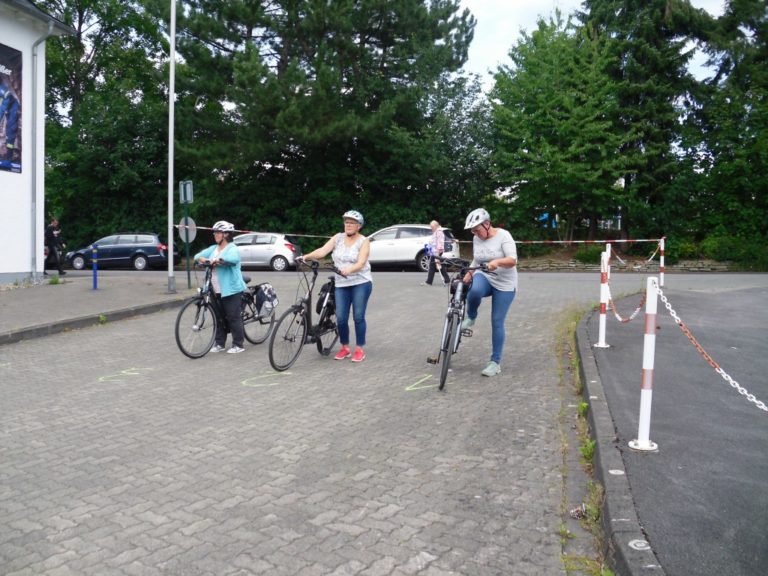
[53,242]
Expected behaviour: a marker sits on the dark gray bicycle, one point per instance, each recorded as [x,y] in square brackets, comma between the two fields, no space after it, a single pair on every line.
[197,320]
[295,327]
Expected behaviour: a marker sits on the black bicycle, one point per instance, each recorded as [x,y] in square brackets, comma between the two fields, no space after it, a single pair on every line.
[295,327]
[198,318]
[454,315]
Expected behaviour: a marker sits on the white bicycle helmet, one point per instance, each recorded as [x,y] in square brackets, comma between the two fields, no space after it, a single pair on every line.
[355,215]
[224,226]
[476,217]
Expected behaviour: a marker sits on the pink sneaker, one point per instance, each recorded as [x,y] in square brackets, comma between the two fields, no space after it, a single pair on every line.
[359,355]
[343,353]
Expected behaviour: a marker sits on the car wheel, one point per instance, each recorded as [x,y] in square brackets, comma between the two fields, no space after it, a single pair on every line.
[279,263]
[140,262]
[422,261]
[78,262]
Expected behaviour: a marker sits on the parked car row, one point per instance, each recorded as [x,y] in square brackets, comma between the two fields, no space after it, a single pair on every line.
[402,244]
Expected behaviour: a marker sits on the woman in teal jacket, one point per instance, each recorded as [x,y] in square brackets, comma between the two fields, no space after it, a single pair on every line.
[227,280]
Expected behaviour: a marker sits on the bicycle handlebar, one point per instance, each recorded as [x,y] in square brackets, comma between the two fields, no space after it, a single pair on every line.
[464,265]
[314,265]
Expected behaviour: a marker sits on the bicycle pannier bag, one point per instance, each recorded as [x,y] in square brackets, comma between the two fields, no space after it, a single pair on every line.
[324,290]
[266,297]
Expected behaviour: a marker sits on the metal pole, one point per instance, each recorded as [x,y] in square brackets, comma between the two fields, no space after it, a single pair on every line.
[643,442]
[603,300]
[171,101]
[186,242]
[661,262]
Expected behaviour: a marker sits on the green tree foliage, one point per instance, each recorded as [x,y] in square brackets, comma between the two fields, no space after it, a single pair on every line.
[731,150]
[294,110]
[106,112]
[557,142]
[648,41]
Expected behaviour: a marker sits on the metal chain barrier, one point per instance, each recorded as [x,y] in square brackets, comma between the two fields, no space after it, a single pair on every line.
[616,314]
[743,391]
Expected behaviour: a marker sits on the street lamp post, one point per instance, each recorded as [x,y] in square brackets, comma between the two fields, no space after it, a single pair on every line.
[171,101]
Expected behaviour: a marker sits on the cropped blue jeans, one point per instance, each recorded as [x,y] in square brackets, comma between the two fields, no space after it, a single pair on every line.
[355,297]
[501,300]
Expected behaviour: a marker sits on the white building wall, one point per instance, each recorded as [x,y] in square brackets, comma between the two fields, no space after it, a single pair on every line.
[22,222]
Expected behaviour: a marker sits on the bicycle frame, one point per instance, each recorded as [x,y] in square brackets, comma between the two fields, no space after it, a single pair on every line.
[296,327]
[454,316]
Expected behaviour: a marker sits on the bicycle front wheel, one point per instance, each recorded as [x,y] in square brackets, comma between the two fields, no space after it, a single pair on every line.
[196,327]
[449,341]
[257,327]
[288,338]
[327,332]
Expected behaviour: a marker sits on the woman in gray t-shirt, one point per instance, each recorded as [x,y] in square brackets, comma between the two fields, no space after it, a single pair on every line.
[495,248]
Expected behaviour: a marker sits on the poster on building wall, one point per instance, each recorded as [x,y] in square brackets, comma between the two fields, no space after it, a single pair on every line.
[10,109]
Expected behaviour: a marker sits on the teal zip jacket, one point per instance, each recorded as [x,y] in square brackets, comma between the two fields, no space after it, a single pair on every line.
[230,275]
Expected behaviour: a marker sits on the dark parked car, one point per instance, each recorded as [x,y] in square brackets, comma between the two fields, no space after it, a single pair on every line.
[138,250]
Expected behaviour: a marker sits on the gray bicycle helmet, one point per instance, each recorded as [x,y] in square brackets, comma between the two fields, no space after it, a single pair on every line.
[355,215]
[477,217]
[224,226]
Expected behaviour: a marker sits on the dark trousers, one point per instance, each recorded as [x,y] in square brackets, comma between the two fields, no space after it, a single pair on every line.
[433,268]
[232,309]
[53,260]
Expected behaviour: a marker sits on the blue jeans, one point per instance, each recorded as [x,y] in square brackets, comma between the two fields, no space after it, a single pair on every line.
[357,297]
[500,302]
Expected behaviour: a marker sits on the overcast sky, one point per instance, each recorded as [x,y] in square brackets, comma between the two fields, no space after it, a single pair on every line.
[499,23]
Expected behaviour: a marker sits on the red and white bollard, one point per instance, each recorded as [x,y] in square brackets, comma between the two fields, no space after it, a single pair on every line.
[661,262]
[604,295]
[643,442]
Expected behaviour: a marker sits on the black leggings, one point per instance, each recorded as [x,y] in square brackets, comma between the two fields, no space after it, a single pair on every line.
[232,309]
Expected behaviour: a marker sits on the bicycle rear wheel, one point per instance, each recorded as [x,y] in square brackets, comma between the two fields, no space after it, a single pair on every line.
[449,343]
[288,338]
[257,327]
[196,327]
[327,331]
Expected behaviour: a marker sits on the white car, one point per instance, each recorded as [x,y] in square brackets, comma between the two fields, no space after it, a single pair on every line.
[406,244]
[257,249]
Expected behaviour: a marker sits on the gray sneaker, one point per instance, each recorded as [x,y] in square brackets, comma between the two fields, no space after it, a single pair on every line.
[492,369]
[235,350]
[216,348]
[467,323]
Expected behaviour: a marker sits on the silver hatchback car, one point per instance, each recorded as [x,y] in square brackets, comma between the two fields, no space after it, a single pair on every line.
[405,244]
[267,249]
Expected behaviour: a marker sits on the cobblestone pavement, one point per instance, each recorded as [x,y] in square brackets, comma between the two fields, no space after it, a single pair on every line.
[122,456]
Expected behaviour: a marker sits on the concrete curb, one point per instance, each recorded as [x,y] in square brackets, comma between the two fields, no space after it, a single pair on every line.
[49,328]
[626,548]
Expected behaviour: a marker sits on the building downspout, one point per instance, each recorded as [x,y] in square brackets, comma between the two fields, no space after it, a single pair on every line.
[37,43]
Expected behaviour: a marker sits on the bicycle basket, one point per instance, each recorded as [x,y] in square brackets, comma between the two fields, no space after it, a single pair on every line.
[325,290]
[266,297]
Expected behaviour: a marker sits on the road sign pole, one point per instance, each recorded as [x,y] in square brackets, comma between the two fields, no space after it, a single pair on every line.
[186,241]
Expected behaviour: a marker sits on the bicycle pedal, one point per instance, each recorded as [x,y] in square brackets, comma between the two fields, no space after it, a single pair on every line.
[431,360]
[467,332]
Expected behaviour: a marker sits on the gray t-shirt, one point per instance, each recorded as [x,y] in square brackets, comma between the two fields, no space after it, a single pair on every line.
[498,246]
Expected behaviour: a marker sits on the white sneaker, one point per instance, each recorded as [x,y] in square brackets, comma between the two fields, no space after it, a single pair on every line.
[217,348]
[492,369]
[467,323]
[235,350]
